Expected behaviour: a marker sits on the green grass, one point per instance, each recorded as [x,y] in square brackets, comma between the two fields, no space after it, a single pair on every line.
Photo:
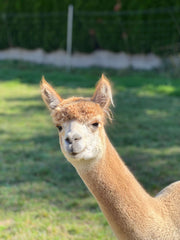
[41,195]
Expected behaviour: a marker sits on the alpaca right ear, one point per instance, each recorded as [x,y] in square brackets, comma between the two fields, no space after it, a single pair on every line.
[49,95]
[103,93]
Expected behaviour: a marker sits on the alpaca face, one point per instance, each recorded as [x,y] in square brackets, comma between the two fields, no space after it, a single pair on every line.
[80,121]
[81,140]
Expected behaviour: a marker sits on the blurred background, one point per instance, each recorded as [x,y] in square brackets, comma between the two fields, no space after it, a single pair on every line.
[137,45]
[132,27]
[151,27]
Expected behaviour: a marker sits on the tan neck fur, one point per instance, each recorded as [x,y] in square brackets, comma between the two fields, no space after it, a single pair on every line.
[123,201]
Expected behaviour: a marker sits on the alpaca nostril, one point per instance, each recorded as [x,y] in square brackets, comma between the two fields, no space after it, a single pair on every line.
[68,140]
[76,137]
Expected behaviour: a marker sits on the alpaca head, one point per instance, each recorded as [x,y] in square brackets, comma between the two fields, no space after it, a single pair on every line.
[80,121]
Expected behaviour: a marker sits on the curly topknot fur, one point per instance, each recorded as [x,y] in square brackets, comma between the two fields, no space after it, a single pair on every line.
[81,109]
[77,108]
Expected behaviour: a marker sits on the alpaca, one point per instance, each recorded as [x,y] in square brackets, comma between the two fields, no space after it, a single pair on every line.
[130,211]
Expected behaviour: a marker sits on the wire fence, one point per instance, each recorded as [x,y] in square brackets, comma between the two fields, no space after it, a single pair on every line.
[154,30]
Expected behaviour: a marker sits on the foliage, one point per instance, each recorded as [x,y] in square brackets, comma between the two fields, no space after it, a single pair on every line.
[41,195]
[43,24]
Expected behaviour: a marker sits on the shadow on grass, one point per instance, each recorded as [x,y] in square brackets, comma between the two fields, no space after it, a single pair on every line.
[145,132]
[44,164]
[30,73]
[43,161]
[26,99]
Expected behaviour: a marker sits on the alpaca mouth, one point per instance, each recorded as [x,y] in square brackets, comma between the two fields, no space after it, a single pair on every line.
[75,154]
[74,151]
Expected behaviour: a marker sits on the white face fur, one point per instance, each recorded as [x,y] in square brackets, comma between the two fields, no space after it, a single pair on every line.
[81,141]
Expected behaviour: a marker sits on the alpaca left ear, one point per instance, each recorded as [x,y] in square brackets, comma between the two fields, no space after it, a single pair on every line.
[103,93]
[49,95]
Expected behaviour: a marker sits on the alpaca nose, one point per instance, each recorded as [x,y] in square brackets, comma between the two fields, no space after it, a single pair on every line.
[73,138]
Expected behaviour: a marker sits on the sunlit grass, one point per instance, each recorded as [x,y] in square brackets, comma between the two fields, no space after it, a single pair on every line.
[41,195]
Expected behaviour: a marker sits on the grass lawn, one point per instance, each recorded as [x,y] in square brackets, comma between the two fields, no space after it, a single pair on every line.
[41,195]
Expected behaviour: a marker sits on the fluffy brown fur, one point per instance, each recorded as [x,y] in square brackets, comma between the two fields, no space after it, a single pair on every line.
[76,108]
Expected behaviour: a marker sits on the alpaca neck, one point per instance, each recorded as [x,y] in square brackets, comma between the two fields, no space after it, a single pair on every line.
[121,198]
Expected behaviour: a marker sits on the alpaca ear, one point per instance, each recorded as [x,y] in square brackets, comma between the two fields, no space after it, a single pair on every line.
[49,95]
[103,93]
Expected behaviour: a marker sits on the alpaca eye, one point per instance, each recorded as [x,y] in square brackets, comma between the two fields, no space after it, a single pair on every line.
[59,128]
[96,124]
